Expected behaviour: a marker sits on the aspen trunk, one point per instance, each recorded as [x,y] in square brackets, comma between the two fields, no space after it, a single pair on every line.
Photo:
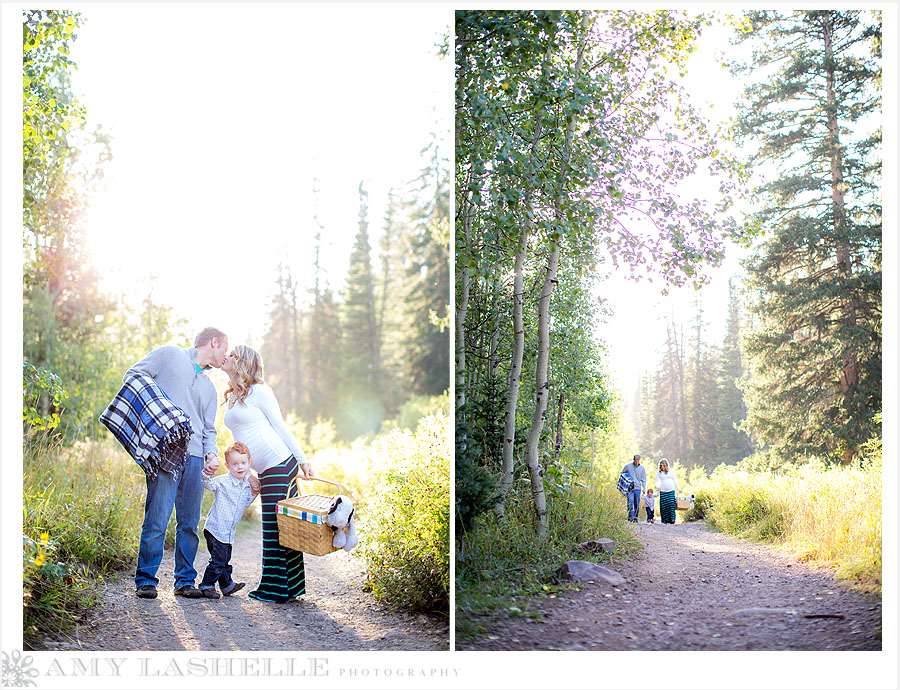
[513,379]
[542,384]
[543,391]
[849,381]
[463,305]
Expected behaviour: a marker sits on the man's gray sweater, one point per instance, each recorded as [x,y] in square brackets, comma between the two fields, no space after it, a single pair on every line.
[174,370]
[638,474]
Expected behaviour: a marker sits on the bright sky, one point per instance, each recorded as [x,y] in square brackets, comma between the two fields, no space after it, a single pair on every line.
[221,118]
[637,329]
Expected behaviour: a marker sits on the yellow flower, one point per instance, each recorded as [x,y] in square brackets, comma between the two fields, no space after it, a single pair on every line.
[39,560]
[45,537]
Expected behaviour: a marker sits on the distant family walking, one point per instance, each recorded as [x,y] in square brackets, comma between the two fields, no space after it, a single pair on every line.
[633,484]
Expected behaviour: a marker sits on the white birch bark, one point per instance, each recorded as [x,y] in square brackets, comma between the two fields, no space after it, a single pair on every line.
[513,379]
[542,384]
[463,283]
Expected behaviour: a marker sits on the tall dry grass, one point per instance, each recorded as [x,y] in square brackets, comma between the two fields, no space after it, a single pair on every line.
[827,514]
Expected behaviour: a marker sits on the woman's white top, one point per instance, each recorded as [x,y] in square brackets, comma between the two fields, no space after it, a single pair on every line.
[665,481]
[258,424]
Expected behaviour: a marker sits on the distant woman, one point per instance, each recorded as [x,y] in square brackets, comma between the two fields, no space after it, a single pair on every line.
[253,415]
[666,486]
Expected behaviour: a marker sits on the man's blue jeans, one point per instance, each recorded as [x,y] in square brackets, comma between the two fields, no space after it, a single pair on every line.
[634,503]
[164,494]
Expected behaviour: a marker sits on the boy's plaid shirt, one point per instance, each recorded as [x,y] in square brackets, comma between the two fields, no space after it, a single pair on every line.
[153,430]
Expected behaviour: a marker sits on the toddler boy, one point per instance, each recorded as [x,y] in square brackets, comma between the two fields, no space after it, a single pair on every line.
[233,493]
[649,504]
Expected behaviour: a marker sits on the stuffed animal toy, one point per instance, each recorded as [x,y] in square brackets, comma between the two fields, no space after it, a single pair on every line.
[340,515]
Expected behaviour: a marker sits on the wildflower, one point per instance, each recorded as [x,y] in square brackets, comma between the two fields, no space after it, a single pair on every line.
[45,538]
[39,560]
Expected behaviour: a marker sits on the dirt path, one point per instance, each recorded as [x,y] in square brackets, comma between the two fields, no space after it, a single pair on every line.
[334,614]
[695,589]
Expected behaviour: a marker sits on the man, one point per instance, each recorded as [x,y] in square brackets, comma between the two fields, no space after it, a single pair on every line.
[639,475]
[181,374]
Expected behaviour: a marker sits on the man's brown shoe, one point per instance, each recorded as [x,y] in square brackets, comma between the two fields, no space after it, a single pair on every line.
[188,591]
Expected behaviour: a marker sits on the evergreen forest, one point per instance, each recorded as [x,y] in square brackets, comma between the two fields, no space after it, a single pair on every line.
[577,142]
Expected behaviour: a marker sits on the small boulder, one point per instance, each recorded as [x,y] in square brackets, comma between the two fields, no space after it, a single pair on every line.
[602,545]
[585,571]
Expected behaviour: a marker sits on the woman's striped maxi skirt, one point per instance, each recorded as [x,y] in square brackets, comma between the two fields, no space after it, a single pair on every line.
[667,507]
[283,575]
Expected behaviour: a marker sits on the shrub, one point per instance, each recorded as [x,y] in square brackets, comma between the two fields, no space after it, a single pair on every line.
[702,503]
[416,408]
[81,520]
[405,524]
[474,484]
[54,592]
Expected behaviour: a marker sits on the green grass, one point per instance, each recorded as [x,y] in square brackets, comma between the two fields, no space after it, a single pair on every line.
[501,562]
[82,513]
[83,509]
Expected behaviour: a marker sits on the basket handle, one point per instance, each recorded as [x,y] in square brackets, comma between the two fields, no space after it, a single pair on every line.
[314,479]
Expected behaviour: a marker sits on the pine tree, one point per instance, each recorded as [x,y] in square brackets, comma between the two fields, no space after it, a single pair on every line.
[815,357]
[667,429]
[361,410]
[323,340]
[702,402]
[281,348]
[427,283]
[732,444]
[390,305]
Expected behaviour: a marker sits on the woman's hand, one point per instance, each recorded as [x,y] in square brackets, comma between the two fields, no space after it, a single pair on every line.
[306,470]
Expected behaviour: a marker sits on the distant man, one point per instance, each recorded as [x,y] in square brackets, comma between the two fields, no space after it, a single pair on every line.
[182,375]
[636,471]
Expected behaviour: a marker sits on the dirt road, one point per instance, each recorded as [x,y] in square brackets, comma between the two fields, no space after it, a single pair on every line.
[335,614]
[695,589]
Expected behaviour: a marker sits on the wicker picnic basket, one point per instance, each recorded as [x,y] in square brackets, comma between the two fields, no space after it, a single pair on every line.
[301,521]
[683,503]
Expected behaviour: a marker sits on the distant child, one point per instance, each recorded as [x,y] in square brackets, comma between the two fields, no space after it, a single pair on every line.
[233,493]
[649,504]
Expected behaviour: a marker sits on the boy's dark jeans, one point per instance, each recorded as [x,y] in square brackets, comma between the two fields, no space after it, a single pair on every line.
[649,515]
[219,568]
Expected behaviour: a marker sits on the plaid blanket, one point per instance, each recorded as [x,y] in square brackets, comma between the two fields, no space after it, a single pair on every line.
[152,429]
[626,483]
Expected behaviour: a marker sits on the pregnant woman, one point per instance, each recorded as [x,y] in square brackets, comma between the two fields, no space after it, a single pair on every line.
[254,418]
[666,485]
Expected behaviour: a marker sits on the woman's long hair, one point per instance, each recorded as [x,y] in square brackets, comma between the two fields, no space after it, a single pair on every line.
[662,462]
[248,369]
